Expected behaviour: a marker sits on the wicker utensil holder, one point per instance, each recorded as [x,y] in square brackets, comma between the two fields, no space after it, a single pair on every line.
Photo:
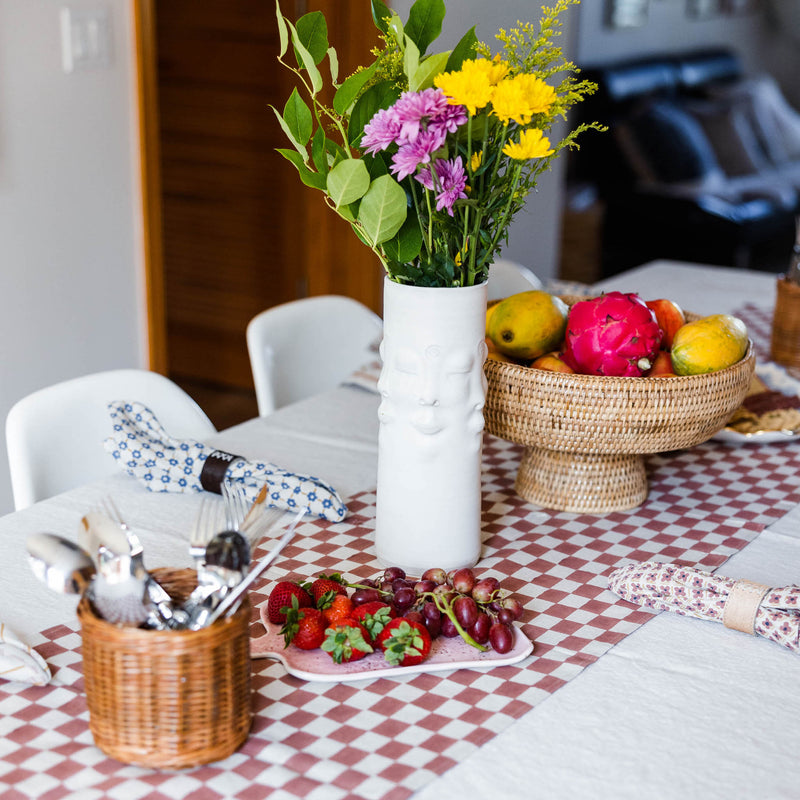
[586,436]
[785,347]
[168,699]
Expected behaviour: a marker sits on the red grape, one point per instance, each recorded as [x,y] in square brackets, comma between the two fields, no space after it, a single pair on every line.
[462,580]
[513,605]
[434,626]
[505,616]
[430,611]
[404,598]
[480,629]
[414,615]
[501,637]
[361,596]
[392,573]
[466,611]
[435,574]
[484,589]
[421,587]
[448,627]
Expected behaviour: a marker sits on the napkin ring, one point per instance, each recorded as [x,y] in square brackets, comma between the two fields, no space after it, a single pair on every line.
[741,606]
[214,469]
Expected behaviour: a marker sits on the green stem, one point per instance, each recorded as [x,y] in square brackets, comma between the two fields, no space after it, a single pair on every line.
[446,608]
[507,211]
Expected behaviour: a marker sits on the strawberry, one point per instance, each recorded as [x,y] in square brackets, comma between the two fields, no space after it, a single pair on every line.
[404,642]
[374,616]
[304,627]
[325,587]
[280,598]
[345,641]
[339,607]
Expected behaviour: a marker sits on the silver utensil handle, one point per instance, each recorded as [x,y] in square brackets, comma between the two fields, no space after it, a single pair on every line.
[227,605]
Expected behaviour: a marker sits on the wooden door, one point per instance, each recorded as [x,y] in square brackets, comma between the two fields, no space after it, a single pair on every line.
[230,228]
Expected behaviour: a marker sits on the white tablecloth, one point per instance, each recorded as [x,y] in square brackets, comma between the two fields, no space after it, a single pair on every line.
[679,709]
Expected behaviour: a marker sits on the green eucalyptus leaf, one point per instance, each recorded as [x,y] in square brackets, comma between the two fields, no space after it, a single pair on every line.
[383,210]
[348,181]
[297,116]
[307,176]
[283,32]
[427,71]
[380,15]
[346,94]
[376,165]
[425,22]
[405,246]
[381,95]
[333,61]
[319,154]
[463,51]
[411,61]
[290,136]
[312,30]
[306,60]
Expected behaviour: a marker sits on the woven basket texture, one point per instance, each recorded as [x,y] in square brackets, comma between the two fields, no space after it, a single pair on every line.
[785,345]
[168,699]
[586,434]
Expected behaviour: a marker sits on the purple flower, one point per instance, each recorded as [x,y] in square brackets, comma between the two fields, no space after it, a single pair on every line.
[450,183]
[415,107]
[451,118]
[411,155]
[381,131]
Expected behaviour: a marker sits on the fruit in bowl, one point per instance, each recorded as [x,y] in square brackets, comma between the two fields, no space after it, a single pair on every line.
[585,436]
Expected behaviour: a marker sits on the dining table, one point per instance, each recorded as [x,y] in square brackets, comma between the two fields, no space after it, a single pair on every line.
[614,701]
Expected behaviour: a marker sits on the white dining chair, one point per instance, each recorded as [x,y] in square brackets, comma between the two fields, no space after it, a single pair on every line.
[55,435]
[508,277]
[306,346]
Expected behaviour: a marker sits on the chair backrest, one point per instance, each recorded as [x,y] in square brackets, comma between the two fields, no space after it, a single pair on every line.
[306,346]
[55,435]
[509,277]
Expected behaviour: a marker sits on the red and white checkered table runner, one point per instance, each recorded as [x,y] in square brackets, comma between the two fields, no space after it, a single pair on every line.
[385,738]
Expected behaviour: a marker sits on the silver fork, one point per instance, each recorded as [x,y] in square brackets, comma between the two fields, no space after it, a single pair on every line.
[206,524]
[236,505]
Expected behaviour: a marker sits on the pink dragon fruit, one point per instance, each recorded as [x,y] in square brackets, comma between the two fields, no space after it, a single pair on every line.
[615,334]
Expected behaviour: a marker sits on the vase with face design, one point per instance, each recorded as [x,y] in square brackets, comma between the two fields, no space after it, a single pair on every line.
[432,389]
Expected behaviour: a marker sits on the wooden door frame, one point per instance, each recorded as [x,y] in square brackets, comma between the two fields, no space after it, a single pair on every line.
[146,58]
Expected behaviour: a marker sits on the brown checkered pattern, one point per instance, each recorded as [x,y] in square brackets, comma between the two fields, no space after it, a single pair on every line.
[384,738]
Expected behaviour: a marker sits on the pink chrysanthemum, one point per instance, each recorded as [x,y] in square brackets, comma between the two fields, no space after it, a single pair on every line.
[451,182]
[413,109]
[381,131]
[413,154]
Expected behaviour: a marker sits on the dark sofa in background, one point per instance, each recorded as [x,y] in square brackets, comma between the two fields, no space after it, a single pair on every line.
[700,163]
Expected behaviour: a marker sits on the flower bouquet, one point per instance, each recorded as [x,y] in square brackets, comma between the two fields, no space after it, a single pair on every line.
[429,155]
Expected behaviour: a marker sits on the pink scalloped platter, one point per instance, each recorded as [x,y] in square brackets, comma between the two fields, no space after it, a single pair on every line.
[446,654]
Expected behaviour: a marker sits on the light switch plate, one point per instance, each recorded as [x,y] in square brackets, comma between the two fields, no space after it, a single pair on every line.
[85,38]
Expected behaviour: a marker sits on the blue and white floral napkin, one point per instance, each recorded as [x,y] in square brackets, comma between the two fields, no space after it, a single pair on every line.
[148,453]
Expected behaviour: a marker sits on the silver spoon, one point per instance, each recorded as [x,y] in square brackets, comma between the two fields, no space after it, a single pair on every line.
[59,563]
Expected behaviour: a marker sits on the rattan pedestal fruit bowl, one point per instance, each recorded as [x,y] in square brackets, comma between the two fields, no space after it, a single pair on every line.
[585,436]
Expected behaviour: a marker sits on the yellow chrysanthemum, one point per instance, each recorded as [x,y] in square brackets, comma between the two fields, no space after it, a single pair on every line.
[520,97]
[532,144]
[475,161]
[469,87]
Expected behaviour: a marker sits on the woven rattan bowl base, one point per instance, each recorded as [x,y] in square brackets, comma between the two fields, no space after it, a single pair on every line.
[581,482]
[168,699]
[585,436]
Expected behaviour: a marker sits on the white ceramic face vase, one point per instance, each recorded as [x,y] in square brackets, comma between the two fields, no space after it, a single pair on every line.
[433,390]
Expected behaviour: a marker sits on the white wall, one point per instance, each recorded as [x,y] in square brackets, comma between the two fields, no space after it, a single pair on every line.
[668,29]
[70,282]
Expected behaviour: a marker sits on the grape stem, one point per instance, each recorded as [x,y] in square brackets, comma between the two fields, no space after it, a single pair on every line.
[447,608]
